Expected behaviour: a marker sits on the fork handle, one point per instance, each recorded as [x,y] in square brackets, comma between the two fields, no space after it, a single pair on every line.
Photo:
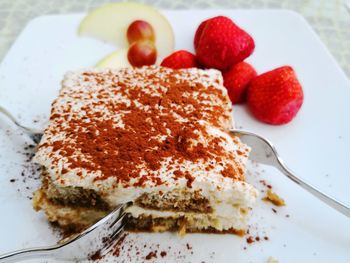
[26,254]
[337,205]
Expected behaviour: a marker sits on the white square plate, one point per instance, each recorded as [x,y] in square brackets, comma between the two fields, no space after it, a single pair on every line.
[315,145]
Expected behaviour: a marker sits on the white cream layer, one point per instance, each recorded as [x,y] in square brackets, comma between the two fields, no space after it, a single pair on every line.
[234,220]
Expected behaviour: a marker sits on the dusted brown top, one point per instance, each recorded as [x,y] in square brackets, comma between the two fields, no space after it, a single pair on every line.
[129,123]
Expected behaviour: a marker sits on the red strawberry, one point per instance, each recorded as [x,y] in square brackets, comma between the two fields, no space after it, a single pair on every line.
[237,79]
[276,96]
[220,43]
[198,34]
[180,59]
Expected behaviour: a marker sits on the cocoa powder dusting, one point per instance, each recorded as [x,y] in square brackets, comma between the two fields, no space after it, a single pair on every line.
[122,151]
[152,254]
[250,239]
[96,256]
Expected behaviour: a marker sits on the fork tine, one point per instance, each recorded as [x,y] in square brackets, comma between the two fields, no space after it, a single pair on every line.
[119,222]
[111,240]
[103,224]
[98,235]
[36,137]
[119,230]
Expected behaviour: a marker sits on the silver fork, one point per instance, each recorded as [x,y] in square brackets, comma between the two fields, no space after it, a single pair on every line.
[99,236]
[34,134]
[264,152]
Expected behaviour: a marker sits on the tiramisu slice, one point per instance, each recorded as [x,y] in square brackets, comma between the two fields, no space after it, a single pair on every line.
[153,136]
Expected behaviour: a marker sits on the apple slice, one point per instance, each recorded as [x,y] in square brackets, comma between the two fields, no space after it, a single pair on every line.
[110,23]
[117,59]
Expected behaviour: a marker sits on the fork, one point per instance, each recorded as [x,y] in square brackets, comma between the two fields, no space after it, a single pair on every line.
[263,151]
[34,134]
[101,235]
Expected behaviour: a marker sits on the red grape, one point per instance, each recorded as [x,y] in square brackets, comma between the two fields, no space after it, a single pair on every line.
[142,53]
[140,30]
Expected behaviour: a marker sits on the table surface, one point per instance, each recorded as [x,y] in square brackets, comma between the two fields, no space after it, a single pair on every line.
[329,18]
